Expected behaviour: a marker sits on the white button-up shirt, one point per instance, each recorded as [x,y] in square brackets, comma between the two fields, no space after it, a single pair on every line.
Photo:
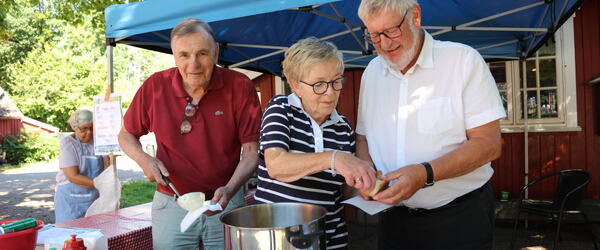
[424,114]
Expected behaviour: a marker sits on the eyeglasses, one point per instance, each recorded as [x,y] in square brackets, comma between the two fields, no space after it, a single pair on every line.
[321,87]
[85,129]
[189,111]
[390,33]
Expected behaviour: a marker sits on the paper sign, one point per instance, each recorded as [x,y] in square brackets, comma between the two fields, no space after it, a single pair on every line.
[107,124]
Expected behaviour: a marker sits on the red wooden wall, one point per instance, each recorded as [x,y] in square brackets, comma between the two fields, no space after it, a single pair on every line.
[548,151]
[265,84]
[10,126]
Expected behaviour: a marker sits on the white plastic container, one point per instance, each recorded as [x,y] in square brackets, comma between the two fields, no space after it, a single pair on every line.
[93,240]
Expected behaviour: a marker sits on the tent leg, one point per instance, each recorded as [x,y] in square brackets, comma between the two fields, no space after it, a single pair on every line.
[109,58]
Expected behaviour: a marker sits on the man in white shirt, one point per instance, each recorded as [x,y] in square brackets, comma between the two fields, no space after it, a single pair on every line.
[429,120]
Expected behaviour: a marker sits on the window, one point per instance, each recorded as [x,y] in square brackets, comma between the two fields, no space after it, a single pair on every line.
[546,80]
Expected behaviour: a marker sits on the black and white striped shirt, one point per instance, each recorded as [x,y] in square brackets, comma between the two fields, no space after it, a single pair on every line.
[286,125]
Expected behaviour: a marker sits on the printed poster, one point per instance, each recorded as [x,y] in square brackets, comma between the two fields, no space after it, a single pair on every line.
[107,124]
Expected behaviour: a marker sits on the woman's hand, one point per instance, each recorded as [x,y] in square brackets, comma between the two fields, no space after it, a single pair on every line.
[358,173]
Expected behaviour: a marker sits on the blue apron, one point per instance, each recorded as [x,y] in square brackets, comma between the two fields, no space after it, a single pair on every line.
[71,201]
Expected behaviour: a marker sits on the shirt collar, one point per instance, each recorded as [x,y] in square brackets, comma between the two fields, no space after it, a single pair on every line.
[334,117]
[425,59]
[216,81]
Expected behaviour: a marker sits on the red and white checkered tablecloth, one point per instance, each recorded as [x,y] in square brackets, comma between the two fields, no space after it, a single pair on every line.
[128,228]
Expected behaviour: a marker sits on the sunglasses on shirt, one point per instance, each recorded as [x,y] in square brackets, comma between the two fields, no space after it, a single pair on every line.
[189,111]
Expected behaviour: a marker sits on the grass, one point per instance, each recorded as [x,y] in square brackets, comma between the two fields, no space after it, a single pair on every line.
[137,192]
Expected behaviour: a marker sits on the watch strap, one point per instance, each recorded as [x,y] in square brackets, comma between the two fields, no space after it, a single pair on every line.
[429,182]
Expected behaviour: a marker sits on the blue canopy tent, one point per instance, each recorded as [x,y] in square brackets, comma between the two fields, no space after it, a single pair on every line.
[254,34]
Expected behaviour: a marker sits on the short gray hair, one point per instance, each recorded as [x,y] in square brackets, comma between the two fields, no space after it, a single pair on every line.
[80,116]
[192,25]
[307,52]
[369,7]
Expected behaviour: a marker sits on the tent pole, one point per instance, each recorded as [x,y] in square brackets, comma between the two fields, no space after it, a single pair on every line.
[526,127]
[109,58]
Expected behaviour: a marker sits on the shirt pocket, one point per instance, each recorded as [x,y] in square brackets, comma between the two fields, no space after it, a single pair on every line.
[435,116]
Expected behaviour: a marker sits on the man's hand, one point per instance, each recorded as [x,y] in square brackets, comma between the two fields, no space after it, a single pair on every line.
[409,180]
[153,168]
[222,197]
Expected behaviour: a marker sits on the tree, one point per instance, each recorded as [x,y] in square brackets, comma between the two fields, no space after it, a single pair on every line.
[22,29]
[59,77]
[55,65]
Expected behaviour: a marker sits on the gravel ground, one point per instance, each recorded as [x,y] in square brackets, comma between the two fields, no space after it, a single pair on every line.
[29,191]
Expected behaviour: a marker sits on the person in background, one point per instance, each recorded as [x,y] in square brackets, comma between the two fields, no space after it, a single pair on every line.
[428,118]
[78,165]
[202,116]
[306,147]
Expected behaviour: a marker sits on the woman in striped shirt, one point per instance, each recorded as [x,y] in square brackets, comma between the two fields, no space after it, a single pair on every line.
[306,147]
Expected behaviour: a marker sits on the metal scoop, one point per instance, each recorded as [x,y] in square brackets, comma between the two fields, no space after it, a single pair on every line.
[168,181]
[190,201]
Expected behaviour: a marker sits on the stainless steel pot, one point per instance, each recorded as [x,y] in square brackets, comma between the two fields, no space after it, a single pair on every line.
[275,226]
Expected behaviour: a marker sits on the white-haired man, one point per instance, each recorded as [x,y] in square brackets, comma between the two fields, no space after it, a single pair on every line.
[429,119]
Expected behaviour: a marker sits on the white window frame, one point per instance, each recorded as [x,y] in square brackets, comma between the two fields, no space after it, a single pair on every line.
[566,89]
[510,79]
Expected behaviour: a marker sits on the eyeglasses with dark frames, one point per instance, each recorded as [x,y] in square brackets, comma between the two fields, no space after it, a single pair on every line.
[189,111]
[390,33]
[321,87]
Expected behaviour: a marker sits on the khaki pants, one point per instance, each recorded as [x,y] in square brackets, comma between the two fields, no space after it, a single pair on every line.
[167,215]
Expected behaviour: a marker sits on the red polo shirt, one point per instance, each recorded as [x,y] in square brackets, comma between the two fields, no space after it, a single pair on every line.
[228,115]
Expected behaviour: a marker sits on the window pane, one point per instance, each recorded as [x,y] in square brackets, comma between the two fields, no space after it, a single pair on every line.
[521,81]
[549,49]
[504,97]
[530,73]
[498,70]
[547,73]
[549,105]
[531,105]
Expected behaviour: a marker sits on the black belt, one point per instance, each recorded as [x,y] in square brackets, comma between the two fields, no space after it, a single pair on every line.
[455,202]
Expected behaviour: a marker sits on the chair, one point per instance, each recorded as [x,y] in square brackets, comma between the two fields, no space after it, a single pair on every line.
[567,198]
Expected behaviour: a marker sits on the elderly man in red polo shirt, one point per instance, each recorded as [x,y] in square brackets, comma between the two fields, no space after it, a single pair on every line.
[202,115]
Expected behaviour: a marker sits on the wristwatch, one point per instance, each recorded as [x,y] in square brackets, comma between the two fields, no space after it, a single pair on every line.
[429,182]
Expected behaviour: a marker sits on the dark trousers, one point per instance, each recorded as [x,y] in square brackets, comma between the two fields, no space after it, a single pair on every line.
[465,223]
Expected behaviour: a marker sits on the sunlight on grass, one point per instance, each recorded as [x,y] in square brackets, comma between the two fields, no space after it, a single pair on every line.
[137,192]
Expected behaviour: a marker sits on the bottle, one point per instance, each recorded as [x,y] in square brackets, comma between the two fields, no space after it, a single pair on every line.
[74,243]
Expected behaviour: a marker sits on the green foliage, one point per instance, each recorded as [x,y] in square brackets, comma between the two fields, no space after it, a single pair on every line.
[53,57]
[132,66]
[21,30]
[25,149]
[59,77]
[137,192]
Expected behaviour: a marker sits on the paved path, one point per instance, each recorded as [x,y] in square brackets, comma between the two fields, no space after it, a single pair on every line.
[29,191]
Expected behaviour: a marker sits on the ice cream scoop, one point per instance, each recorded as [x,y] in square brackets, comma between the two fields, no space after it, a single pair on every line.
[191,201]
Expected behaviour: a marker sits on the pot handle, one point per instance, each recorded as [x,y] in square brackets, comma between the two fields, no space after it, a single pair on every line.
[304,240]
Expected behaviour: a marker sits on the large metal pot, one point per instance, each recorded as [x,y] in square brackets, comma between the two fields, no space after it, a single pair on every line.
[275,226]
